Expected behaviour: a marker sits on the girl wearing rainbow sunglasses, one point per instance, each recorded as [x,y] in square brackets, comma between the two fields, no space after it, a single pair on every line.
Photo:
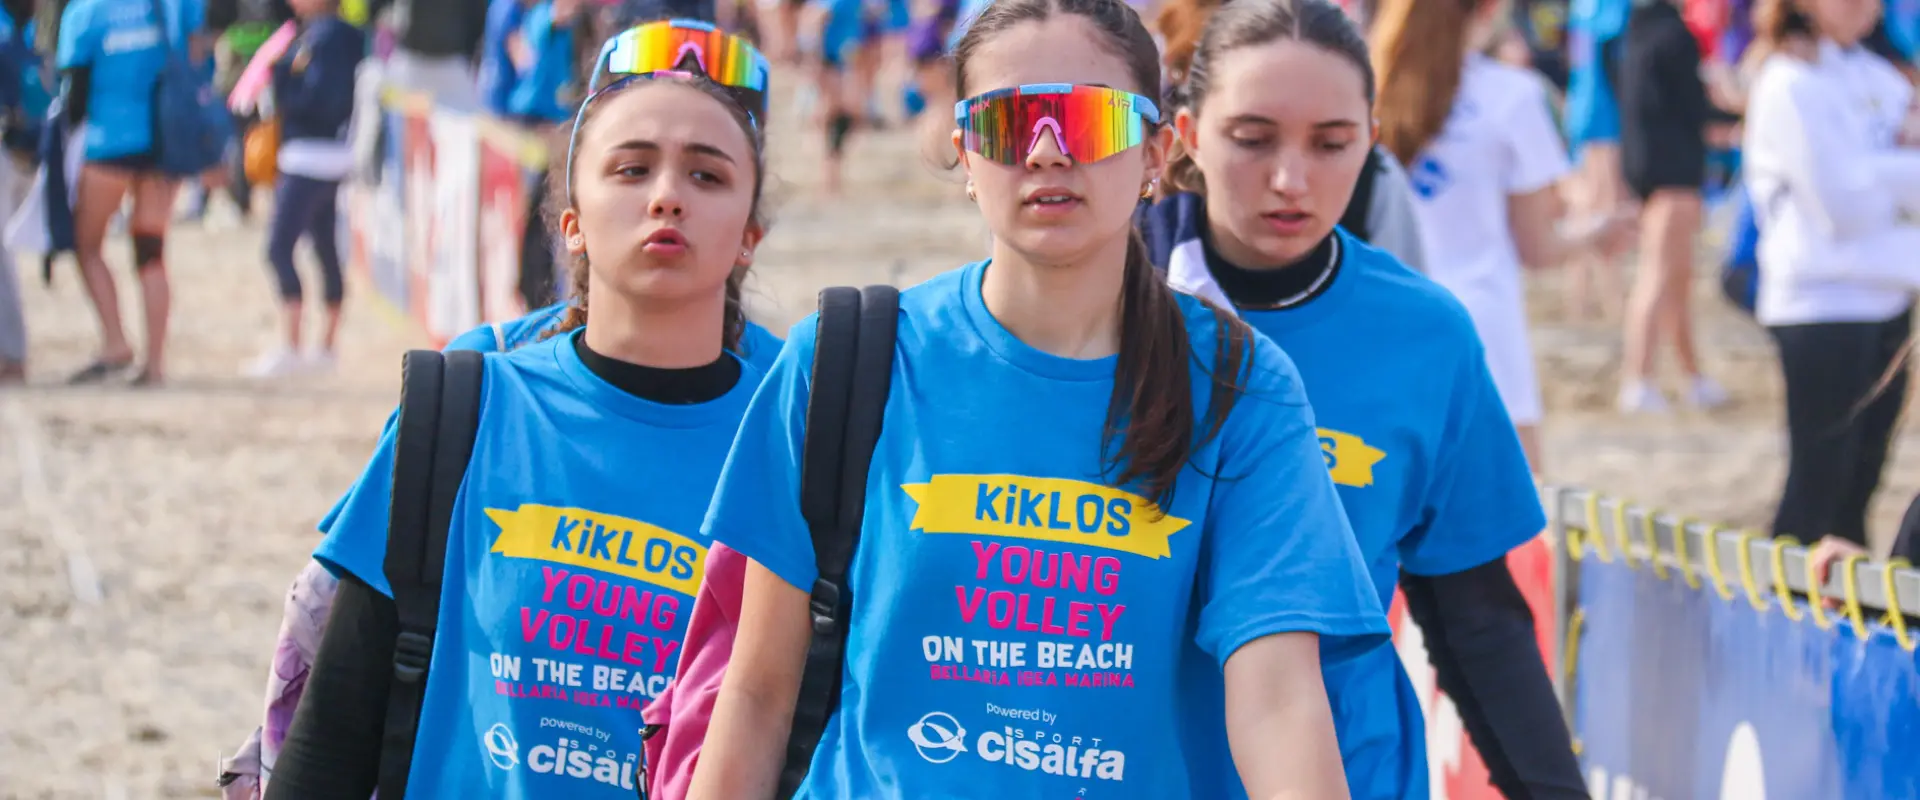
[1087,488]
[570,568]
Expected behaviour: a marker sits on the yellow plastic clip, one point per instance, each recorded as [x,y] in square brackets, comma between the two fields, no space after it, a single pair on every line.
[1780,590]
[1850,581]
[1897,618]
[1816,598]
[1680,526]
[1575,538]
[1594,538]
[1747,580]
[1653,545]
[1714,573]
[1620,532]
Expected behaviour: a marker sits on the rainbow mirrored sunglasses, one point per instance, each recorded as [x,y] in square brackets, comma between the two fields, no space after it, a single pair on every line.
[689,45]
[676,48]
[1088,123]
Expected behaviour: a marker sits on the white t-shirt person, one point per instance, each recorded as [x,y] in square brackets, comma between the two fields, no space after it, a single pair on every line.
[1499,141]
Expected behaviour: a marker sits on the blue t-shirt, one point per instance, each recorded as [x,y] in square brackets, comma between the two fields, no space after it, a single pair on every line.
[572,564]
[1592,113]
[547,91]
[126,48]
[1427,464]
[1018,623]
[497,75]
[758,346]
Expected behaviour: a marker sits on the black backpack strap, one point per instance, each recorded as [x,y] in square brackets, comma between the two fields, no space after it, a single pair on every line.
[852,375]
[1361,205]
[433,440]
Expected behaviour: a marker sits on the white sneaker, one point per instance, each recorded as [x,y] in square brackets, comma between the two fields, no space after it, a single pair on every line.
[276,363]
[320,362]
[1706,394]
[1640,398]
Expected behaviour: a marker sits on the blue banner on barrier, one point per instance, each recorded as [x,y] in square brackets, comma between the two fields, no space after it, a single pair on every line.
[1682,694]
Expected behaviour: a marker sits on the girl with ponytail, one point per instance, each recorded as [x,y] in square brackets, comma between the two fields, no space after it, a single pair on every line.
[1429,469]
[1075,460]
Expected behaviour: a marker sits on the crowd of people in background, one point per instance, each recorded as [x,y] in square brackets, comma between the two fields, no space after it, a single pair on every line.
[1512,135]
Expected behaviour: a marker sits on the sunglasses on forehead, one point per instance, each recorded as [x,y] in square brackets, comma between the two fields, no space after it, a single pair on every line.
[676,48]
[1086,123]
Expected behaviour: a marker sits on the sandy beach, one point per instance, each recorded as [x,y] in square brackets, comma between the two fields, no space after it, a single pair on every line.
[185,510]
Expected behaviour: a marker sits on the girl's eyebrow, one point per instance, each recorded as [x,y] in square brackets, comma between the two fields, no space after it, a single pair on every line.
[695,147]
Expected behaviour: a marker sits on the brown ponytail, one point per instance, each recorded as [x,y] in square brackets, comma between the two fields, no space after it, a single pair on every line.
[1419,52]
[1151,411]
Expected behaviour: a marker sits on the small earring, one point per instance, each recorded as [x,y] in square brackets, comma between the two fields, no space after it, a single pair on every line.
[971,196]
[1146,192]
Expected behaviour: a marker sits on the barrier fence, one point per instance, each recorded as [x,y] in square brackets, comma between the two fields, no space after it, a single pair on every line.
[437,231]
[1696,668]
[1689,663]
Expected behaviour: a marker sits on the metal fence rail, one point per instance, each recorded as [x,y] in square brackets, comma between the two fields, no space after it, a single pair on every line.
[1750,567]
[1606,526]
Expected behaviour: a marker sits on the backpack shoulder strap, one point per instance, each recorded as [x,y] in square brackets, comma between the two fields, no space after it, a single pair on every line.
[1358,208]
[852,376]
[433,440]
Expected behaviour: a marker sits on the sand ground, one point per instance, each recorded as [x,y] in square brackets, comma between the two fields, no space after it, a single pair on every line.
[194,504]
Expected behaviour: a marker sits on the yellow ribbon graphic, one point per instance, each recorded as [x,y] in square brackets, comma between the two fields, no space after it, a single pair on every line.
[1349,458]
[577,537]
[1044,509]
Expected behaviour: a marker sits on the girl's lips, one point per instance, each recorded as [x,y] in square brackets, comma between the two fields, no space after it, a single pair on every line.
[1288,223]
[664,242]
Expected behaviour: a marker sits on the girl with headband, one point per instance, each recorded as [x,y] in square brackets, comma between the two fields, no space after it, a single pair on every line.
[612,430]
[1428,467]
[1075,482]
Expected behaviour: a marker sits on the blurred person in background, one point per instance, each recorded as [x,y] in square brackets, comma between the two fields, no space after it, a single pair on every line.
[111,53]
[243,26]
[437,50]
[1592,124]
[1835,182]
[18,78]
[1664,119]
[313,99]
[1484,160]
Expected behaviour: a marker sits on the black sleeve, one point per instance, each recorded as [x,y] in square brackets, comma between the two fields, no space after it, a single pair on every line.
[1676,70]
[333,749]
[1480,639]
[79,89]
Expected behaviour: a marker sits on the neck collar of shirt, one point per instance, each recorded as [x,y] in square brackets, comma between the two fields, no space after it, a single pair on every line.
[1187,272]
[603,395]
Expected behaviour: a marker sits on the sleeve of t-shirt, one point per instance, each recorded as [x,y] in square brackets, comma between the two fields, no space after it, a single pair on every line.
[1481,502]
[1280,555]
[1536,157]
[79,37]
[356,541]
[756,506]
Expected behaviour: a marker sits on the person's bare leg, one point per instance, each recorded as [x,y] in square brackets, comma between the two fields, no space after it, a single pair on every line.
[1530,445]
[1645,306]
[1683,226]
[152,209]
[100,192]
[330,334]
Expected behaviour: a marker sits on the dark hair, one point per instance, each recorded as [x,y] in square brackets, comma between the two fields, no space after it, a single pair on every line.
[1419,50]
[1250,23]
[1776,22]
[560,198]
[1150,416]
